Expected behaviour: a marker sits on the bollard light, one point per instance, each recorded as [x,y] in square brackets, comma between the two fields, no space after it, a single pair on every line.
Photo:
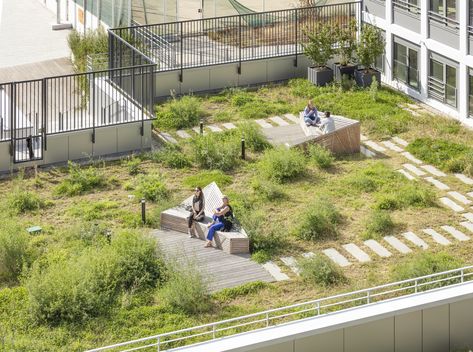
[243,152]
[143,210]
[201,127]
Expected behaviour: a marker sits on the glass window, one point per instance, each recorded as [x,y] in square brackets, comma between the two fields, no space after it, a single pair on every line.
[451,85]
[446,8]
[436,70]
[413,80]
[405,65]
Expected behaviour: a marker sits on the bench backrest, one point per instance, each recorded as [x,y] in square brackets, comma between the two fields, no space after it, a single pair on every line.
[213,198]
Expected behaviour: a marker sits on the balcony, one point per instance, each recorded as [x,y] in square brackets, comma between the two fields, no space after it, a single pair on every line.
[444,30]
[407,15]
[375,7]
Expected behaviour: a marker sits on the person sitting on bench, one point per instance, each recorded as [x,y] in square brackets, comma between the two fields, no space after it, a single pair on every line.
[197,212]
[222,220]
[311,115]
[327,124]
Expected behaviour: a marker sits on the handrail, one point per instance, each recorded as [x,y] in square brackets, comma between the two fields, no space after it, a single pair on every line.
[362,297]
[407,6]
[434,16]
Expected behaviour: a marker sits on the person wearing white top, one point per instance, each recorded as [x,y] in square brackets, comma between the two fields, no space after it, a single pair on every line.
[327,124]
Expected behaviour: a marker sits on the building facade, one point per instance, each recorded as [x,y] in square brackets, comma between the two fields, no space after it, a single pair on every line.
[428,51]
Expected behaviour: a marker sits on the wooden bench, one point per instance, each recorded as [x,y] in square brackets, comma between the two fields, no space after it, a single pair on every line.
[232,242]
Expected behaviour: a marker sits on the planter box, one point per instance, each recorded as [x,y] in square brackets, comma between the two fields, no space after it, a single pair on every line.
[341,70]
[364,78]
[320,76]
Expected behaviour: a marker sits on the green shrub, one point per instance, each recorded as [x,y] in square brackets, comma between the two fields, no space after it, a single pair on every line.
[240,291]
[14,253]
[102,209]
[151,187]
[320,156]
[408,195]
[205,177]
[81,45]
[133,165]
[261,257]
[255,140]
[171,156]
[240,98]
[378,224]
[319,221]
[216,151]
[179,113]
[21,201]
[462,164]
[374,89]
[81,180]
[268,190]
[319,270]
[186,290]
[373,178]
[282,164]
[424,264]
[438,152]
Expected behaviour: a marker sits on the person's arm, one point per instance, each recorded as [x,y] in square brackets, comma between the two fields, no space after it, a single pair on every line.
[323,123]
[201,212]
[222,211]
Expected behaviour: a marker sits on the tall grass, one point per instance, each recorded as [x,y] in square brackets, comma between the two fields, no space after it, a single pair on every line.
[216,151]
[282,164]
[14,250]
[81,180]
[179,113]
[320,270]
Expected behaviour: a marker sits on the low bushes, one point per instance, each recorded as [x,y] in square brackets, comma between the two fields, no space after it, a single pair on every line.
[319,221]
[240,291]
[319,270]
[14,253]
[203,178]
[81,180]
[408,195]
[424,264]
[133,166]
[379,223]
[21,201]
[179,113]
[373,178]
[320,156]
[437,151]
[255,140]
[268,190]
[282,164]
[171,156]
[216,151]
[151,187]
[81,45]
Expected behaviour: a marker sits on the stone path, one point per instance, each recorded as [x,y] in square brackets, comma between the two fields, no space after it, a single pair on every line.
[263,123]
[400,141]
[392,146]
[336,257]
[275,271]
[414,169]
[375,146]
[356,252]
[451,204]
[468,216]
[441,186]
[408,175]
[467,225]
[279,121]
[183,134]
[366,152]
[455,233]
[411,236]
[464,179]
[459,197]
[291,263]
[168,137]
[437,237]
[214,128]
[229,125]
[377,248]
[412,158]
[291,118]
[433,170]
[398,245]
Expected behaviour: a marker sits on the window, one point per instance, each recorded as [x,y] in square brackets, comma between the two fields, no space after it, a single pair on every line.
[443,82]
[405,65]
[444,8]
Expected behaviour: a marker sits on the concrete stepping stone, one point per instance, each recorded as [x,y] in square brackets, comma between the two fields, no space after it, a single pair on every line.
[363,138]
[263,123]
[377,248]
[291,118]
[433,170]
[400,141]
[412,158]
[183,134]
[168,137]
[308,255]
[366,152]
[419,242]
[437,237]
[459,197]
[467,225]
[291,263]
[357,252]
[464,179]
[398,245]
[455,233]
[214,128]
[197,130]
[275,271]
[336,257]
[229,125]
[375,146]
[468,216]
[406,174]
[470,194]
[278,121]
[441,186]
[414,169]
[392,146]
[451,204]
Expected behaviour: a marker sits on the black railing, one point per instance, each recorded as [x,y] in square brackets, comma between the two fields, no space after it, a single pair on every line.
[407,6]
[228,39]
[32,110]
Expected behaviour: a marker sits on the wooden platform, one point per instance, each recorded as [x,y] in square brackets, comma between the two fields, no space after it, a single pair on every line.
[223,270]
[344,140]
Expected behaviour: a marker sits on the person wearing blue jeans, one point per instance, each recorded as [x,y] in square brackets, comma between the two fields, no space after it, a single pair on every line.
[219,219]
[311,115]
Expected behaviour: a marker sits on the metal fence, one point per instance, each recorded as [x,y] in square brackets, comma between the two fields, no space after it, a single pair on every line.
[229,39]
[294,312]
[32,110]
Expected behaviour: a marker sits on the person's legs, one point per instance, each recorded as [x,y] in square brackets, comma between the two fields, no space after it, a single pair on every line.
[214,228]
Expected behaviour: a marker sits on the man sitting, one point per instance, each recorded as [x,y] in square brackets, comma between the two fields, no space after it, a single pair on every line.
[311,115]
[327,124]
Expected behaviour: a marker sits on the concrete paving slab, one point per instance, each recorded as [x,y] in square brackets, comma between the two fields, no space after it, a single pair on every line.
[440,185]
[308,255]
[229,125]
[197,130]
[468,216]
[455,233]
[397,244]
[183,134]
[366,152]
[291,118]
[459,197]
[291,264]
[263,123]
[465,179]
[451,204]
[363,138]
[214,128]
[437,237]
[275,271]
[392,146]
[419,242]
[414,169]
[470,194]
[168,137]
[278,121]
[357,252]
[375,146]
[467,225]
[412,158]
[406,174]
[400,141]
[433,170]
[376,247]
[336,257]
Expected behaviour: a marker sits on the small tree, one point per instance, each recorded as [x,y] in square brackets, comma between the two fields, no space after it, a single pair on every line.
[319,48]
[346,38]
[370,46]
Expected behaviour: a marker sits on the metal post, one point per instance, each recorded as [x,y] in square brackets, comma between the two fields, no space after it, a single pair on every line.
[213,331]
[267,319]
[44,100]
[159,343]
[318,307]
[462,276]
[296,36]
[181,75]
[239,44]
[58,11]
[143,210]
[201,126]
[368,298]
[243,148]
[415,286]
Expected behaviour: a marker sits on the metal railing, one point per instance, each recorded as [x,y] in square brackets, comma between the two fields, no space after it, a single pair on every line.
[444,20]
[319,307]
[406,74]
[408,6]
[442,91]
[228,39]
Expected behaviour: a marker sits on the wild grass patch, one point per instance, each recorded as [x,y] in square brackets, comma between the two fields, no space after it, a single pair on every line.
[378,224]
[425,263]
[216,151]
[319,270]
[177,113]
[320,156]
[205,177]
[172,156]
[81,180]
[282,164]
[151,187]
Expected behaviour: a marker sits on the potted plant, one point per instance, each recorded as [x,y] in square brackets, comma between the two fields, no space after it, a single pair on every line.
[319,49]
[370,46]
[346,39]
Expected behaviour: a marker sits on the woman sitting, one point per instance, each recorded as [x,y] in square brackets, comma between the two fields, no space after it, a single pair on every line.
[222,219]
[311,115]
[198,208]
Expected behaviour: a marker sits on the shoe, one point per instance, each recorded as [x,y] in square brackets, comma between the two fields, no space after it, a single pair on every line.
[208,244]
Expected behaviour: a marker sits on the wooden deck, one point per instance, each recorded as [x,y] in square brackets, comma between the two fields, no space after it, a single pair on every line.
[344,140]
[223,270]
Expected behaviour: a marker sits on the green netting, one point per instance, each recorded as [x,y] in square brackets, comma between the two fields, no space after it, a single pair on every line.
[114,13]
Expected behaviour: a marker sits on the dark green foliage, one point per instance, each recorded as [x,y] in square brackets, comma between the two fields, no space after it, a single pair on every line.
[320,47]
[151,187]
[370,45]
[177,113]
[172,156]
[268,190]
[216,151]
[240,291]
[14,252]
[255,140]
[133,165]
[320,156]
[282,164]
[81,180]
[378,224]
[424,264]
[408,195]
[21,201]
[319,270]
[93,42]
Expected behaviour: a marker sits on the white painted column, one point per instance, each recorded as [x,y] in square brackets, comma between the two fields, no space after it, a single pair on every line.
[462,86]
[424,53]
[388,69]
